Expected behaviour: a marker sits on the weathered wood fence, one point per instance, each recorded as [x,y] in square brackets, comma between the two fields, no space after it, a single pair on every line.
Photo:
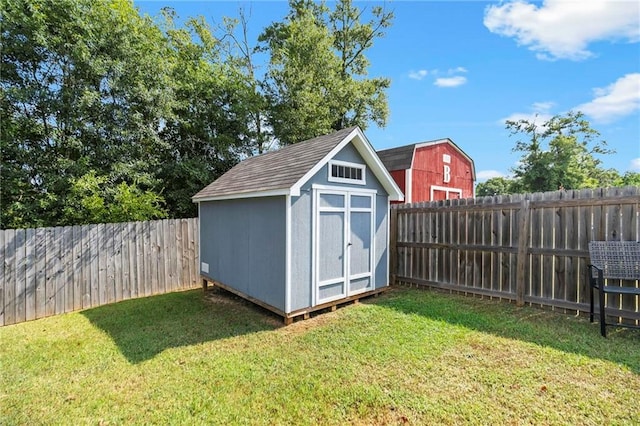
[49,271]
[529,248]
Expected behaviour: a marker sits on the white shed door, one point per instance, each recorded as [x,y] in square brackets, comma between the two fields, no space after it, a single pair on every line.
[343,244]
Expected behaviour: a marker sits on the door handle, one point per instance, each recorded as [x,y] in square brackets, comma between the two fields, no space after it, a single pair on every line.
[349,244]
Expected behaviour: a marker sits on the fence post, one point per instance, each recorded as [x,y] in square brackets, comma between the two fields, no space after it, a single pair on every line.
[393,250]
[523,240]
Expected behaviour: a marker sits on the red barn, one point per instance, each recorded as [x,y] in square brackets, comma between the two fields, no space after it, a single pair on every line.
[428,171]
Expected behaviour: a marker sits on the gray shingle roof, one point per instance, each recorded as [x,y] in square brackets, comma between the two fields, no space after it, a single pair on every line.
[274,170]
[399,158]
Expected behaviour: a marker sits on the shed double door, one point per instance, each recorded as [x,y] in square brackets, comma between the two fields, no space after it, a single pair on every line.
[343,244]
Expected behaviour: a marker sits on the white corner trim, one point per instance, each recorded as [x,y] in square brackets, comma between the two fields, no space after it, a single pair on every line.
[287,271]
[253,194]
[408,185]
[200,240]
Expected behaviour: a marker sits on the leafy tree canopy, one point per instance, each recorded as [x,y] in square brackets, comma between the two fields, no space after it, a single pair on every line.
[560,153]
[108,115]
[317,77]
[495,186]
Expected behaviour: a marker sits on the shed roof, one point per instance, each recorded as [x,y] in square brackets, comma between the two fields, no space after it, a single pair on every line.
[401,158]
[283,171]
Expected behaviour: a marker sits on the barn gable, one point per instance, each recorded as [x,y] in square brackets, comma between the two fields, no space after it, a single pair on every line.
[431,170]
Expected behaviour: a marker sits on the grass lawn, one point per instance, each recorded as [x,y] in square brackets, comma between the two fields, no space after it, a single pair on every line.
[407,357]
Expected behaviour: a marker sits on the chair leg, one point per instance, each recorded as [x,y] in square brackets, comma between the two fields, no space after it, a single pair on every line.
[603,324]
[590,302]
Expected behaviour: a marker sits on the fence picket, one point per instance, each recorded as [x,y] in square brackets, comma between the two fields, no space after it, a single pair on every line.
[10,277]
[2,276]
[67,266]
[20,264]
[110,255]
[125,288]
[76,234]
[139,260]
[117,261]
[30,275]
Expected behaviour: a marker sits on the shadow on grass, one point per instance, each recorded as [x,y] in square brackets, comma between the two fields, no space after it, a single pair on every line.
[143,328]
[567,333]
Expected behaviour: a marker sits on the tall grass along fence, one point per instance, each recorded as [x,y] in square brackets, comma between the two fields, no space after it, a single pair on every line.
[530,248]
[49,271]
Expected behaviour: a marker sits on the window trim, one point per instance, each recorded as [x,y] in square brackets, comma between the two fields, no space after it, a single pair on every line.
[361,167]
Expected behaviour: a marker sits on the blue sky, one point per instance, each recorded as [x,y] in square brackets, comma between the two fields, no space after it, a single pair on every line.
[459,69]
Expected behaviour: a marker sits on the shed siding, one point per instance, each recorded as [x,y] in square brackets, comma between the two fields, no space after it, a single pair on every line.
[302,235]
[381,242]
[243,241]
[301,223]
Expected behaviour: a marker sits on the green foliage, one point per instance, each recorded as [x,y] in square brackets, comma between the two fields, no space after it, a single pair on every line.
[362,99]
[207,129]
[559,153]
[108,115]
[302,77]
[628,179]
[85,88]
[316,80]
[93,199]
[496,186]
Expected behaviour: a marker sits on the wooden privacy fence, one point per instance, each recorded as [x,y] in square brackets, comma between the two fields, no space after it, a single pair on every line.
[529,248]
[50,271]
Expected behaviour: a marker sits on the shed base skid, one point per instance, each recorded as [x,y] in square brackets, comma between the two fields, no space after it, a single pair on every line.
[300,313]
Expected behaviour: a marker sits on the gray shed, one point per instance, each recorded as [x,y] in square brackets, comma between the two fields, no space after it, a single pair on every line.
[301,228]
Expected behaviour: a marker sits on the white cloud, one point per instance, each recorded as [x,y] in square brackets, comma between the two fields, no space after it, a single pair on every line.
[450,81]
[561,29]
[542,107]
[540,113]
[421,74]
[614,101]
[418,75]
[484,175]
[457,70]
[635,164]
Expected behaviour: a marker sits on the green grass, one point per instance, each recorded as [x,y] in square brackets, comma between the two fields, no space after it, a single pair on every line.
[406,357]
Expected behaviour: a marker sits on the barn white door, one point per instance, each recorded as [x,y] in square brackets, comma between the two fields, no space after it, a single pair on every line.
[343,244]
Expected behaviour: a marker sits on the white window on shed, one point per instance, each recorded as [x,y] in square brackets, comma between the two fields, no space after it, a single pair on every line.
[344,172]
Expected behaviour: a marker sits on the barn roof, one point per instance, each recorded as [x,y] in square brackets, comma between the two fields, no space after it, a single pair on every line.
[283,172]
[401,158]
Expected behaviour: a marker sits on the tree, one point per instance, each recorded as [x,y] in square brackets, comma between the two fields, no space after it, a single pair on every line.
[240,53]
[93,200]
[84,89]
[559,153]
[209,127]
[628,179]
[316,81]
[364,99]
[495,186]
